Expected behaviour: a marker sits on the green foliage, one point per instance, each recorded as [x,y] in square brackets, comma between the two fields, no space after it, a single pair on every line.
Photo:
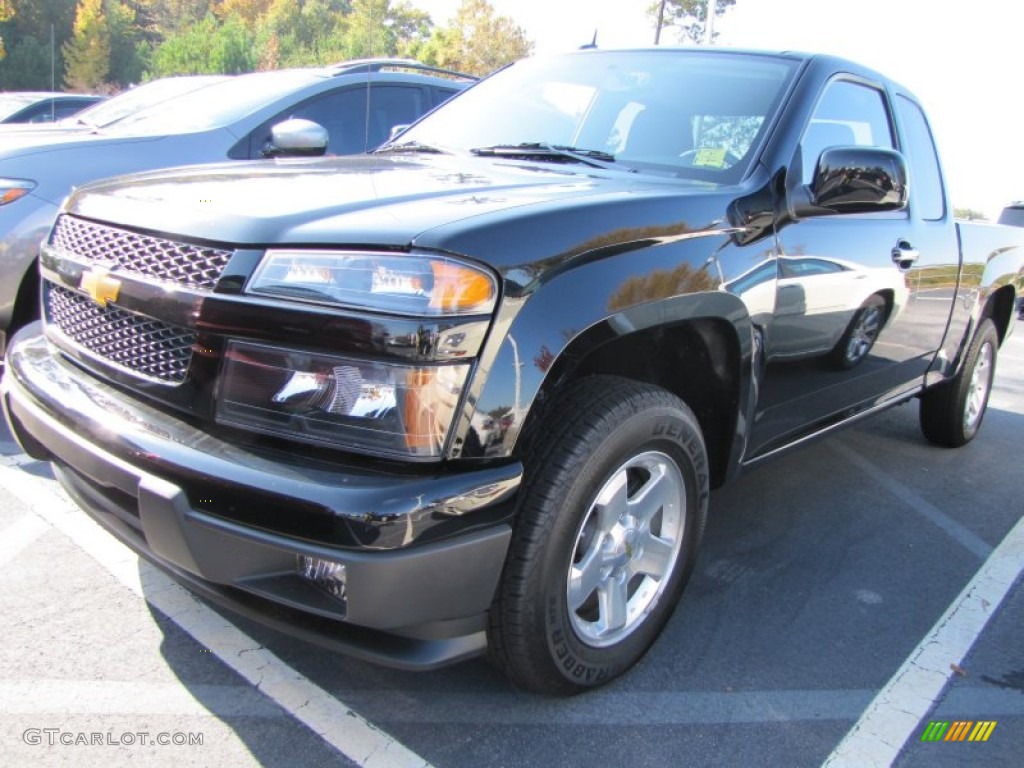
[35,17]
[109,44]
[105,51]
[478,42]
[128,49]
[688,17]
[378,27]
[6,12]
[27,66]
[207,47]
[309,33]
[26,37]
[168,17]
[87,53]
[968,213]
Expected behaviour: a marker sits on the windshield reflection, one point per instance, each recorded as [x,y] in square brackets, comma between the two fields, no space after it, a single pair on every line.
[670,112]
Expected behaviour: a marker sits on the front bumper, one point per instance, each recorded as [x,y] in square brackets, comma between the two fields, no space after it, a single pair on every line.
[422,552]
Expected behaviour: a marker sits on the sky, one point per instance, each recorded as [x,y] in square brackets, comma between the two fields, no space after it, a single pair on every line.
[960,65]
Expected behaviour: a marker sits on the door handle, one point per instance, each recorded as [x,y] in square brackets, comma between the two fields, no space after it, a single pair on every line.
[904,255]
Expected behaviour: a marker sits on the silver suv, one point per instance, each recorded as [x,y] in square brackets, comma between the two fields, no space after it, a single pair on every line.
[356,102]
[1013,214]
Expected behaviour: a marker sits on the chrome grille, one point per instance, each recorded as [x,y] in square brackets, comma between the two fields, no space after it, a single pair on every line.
[184,263]
[137,343]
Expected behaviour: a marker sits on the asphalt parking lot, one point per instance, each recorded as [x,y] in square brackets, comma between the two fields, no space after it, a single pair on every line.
[846,597]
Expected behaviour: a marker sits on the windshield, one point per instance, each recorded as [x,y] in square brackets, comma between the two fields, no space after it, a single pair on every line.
[12,102]
[214,106]
[139,98]
[687,113]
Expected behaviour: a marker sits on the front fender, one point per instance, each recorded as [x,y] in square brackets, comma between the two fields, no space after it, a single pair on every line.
[540,338]
[23,226]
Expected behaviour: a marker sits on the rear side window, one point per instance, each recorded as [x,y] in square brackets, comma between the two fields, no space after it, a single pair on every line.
[848,115]
[350,128]
[392,105]
[925,177]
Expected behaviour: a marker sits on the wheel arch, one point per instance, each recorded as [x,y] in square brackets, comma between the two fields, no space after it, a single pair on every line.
[27,301]
[999,307]
[697,346]
[698,360]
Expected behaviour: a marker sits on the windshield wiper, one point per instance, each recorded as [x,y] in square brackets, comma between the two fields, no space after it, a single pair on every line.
[409,146]
[592,157]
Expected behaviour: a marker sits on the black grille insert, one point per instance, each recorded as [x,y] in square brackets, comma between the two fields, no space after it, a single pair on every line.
[137,343]
[192,265]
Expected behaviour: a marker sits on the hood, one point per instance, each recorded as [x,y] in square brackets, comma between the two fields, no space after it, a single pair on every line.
[474,206]
[59,128]
[18,144]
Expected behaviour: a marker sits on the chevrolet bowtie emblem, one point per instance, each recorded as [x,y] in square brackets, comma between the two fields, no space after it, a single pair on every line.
[100,286]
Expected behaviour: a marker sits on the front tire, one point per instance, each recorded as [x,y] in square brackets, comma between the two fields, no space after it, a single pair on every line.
[952,412]
[610,516]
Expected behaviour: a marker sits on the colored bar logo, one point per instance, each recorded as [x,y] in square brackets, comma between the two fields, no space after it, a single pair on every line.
[958,730]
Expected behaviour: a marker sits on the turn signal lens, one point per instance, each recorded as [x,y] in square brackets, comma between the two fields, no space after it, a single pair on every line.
[414,284]
[459,289]
[14,189]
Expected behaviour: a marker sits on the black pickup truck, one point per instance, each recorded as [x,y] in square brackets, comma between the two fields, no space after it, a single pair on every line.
[469,394]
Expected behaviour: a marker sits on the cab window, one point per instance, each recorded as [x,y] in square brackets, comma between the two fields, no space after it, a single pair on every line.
[849,114]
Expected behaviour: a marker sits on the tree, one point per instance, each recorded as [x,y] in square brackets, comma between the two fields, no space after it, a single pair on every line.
[689,17]
[37,17]
[379,27]
[6,12]
[128,49]
[26,36]
[87,53]
[968,213]
[249,11]
[478,42]
[207,47]
[167,17]
[307,33]
[27,66]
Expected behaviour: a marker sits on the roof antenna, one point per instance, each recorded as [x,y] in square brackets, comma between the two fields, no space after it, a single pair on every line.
[591,44]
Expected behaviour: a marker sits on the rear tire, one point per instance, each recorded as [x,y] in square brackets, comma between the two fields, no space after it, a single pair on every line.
[951,413]
[610,515]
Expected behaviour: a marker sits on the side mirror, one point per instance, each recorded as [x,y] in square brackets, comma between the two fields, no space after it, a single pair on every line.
[297,138]
[858,180]
[397,130]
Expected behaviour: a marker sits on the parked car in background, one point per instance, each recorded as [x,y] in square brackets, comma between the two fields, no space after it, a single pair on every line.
[42,107]
[111,110]
[356,103]
[1013,215]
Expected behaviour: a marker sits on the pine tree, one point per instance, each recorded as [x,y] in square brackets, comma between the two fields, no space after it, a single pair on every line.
[87,53]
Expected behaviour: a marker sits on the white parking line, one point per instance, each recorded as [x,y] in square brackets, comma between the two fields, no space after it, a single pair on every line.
[330,718]
[896,712]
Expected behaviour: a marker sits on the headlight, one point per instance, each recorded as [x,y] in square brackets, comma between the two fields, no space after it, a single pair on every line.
[14,189]
[367,407]
[402,284]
